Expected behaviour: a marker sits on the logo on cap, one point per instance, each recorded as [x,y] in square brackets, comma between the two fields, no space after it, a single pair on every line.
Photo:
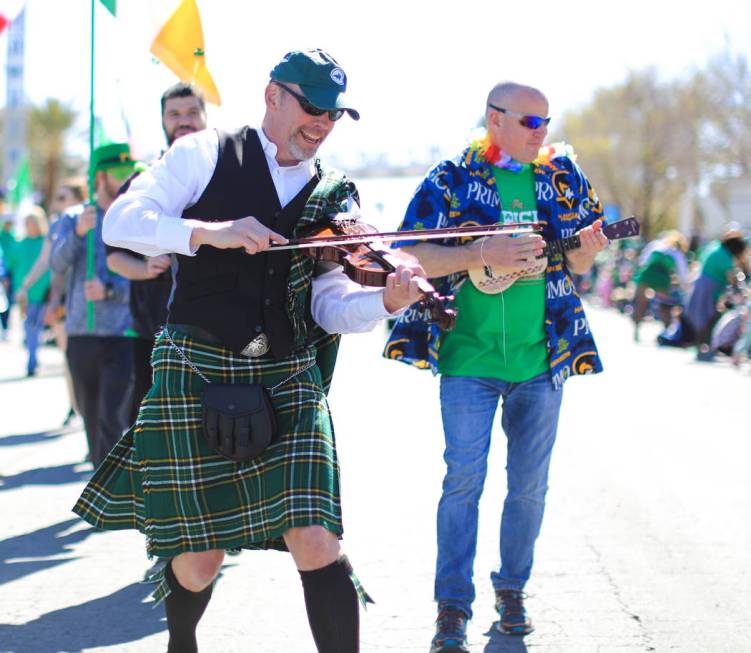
[337,74]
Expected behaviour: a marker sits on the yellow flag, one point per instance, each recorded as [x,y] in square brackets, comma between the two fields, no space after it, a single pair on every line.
[179,46]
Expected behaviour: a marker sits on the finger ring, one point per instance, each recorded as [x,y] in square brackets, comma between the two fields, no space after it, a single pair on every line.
[397,284]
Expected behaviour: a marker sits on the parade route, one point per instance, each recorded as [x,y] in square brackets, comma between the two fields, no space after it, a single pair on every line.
[646,543]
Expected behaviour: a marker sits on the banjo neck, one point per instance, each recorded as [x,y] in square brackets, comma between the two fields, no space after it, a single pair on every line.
[622,229]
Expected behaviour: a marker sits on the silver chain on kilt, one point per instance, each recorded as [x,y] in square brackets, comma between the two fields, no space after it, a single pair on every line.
[190,364]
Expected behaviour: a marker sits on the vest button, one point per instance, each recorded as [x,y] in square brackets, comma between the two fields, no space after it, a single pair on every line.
[267,301]
[271,272]
[259,328]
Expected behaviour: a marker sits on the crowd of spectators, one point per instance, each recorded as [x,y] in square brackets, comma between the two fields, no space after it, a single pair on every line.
[700,294]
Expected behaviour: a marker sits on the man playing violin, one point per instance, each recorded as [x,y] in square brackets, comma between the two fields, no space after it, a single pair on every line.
[517,346]
[242,314]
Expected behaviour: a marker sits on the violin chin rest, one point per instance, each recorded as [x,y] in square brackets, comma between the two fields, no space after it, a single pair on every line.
[322,267]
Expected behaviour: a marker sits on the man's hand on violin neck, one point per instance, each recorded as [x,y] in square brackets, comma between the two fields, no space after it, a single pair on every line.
[246,233]
[508,251]
[403,287]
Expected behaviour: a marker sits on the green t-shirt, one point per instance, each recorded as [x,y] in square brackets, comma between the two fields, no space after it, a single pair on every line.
[716,262]
[23,255]
[657,271]
[501,336]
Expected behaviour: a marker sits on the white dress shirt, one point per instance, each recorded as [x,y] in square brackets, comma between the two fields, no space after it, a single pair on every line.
[147,219]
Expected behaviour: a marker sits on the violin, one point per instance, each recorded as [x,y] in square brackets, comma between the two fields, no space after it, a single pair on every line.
[343,240]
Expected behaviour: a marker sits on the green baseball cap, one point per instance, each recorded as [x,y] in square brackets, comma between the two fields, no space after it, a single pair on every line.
[319,76]
[115,159]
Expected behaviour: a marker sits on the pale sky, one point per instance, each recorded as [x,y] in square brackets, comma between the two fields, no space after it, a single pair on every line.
[419,71]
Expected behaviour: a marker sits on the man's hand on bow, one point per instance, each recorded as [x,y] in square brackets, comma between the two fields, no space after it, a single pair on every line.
[246,233]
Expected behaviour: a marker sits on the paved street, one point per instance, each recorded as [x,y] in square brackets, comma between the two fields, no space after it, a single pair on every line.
[646,544]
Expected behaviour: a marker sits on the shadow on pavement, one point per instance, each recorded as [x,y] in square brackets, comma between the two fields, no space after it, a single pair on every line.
[33,438]
[15,379]
[111,620]
[44,374]
[500,643]
[41,544]
[46,476]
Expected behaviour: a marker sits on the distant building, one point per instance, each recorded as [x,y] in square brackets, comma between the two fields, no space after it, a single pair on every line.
[706,215]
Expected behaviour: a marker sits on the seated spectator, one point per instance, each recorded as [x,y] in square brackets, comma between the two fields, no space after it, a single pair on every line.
[720,262]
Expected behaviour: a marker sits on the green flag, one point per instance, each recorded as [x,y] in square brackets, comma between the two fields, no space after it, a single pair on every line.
[101,137]
[20,188]
[111,6]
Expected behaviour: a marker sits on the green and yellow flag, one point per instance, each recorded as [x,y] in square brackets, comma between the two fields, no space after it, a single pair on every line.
[179,46]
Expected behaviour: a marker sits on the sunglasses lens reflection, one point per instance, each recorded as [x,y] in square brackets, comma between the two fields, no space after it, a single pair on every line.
[311,109]
[533,122]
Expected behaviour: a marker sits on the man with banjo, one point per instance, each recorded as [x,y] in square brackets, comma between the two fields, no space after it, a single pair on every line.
[520,332]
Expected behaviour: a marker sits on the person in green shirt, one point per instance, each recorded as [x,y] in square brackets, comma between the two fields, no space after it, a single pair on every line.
[70,193]
[22,254]
[720,261]
[511,350]
[662,269]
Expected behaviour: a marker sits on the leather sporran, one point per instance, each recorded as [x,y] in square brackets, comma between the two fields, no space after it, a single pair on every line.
[238,420]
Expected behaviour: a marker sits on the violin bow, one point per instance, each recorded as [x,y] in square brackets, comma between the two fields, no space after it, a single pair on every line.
[396,236]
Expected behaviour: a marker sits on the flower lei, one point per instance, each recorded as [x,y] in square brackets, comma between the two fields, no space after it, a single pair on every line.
[553,151]
[494,155]
[482,147]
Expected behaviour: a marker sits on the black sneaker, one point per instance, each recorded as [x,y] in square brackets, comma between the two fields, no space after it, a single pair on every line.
[451,632]
[510,607]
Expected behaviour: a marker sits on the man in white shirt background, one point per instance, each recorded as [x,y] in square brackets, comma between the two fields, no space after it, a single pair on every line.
[183,112]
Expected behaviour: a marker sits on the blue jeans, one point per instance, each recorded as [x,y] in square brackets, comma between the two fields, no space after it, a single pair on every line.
[530,421]
[33,327]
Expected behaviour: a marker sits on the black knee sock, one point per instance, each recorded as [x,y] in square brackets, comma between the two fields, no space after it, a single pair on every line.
[331,602]
[184,610]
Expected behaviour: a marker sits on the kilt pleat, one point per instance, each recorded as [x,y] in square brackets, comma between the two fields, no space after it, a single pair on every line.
[163,480]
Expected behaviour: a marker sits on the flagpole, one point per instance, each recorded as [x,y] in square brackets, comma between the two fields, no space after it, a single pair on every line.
[91,235]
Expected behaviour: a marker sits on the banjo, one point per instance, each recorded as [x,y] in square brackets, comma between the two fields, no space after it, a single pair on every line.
[493,280]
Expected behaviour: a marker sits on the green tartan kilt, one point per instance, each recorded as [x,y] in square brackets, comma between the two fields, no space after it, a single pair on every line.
[162,479]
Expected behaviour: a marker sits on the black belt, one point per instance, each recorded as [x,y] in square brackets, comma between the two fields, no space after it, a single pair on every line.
[193,331]
[255,348]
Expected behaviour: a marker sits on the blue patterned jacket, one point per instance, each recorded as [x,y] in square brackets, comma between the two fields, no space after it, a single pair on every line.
[463,193]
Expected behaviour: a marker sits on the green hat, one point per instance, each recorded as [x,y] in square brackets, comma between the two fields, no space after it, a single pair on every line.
[115,159]
[319,76]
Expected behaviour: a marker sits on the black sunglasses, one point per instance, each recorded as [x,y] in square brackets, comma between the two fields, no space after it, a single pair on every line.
[528,121]
[312,109]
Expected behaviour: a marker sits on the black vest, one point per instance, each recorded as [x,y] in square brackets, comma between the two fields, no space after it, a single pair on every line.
[228,293]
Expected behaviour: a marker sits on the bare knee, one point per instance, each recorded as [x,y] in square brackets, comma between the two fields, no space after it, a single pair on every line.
[312,547]
[196,571]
